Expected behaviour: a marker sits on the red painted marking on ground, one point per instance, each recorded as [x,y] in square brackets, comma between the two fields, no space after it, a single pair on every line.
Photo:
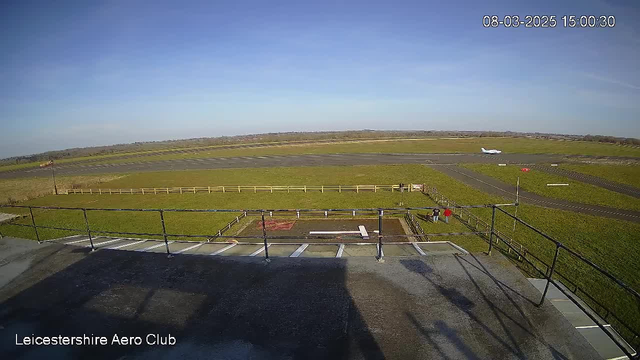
[277,225]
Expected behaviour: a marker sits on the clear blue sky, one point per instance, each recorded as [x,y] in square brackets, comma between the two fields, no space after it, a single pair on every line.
[83,73]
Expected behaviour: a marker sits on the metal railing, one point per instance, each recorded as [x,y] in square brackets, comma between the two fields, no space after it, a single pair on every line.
[549,270]
[415,227]
[220,234]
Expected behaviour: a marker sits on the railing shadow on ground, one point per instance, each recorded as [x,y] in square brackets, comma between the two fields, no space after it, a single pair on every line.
[536,267]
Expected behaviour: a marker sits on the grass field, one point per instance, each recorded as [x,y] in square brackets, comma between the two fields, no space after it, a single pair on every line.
[609,243]
[29,188]
[536,182]
[624,174]
[427,145]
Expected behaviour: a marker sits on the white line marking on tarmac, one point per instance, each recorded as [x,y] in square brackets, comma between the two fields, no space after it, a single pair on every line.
[418,249]
[189,248]
[77,241]
[104,242]
[154,246]
[340,250]
[299,250]
[223,249]
[591,326]
[125,245]
[259,250]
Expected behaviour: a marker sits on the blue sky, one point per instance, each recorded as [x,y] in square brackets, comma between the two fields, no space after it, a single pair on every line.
[83,73]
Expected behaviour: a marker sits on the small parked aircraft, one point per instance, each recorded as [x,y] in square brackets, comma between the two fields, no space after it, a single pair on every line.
[492,152]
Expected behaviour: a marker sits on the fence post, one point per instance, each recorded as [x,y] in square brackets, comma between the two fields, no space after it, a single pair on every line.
[380,215]
[86,222]
[339,188]
[264,236]
[223,189]
[322,189]
[164,232]
[35,228]
[493,224]
[553,267]
[209,188]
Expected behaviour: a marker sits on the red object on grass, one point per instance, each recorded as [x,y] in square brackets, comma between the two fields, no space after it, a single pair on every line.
[525,169]
[447,212]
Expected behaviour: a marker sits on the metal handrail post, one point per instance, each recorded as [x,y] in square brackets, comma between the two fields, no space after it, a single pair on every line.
[380,215]
[553,267]
[493,225]
[86,222]
[164,232]
[264,237]
[35,228]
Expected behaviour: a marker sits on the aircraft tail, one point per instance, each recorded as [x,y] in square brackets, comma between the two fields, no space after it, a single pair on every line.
[483,150]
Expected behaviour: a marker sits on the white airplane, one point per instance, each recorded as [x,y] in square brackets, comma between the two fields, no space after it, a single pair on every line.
[492,152]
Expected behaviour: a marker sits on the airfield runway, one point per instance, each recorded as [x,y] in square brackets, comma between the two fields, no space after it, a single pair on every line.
[284,161]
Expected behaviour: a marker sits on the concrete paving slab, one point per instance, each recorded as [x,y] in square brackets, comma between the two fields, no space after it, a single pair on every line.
[438,248]
[180,247]
[241,250]
[601,342]
[206,249]
[399,250]
[125,244]
[360,250]
[552,293]
[573,313]
[320,251]
[139,245]
[282,250]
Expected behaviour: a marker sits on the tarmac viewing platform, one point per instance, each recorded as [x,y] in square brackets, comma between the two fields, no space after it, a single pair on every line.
[447,306]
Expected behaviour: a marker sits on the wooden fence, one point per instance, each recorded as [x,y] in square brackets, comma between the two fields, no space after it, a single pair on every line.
[250,188]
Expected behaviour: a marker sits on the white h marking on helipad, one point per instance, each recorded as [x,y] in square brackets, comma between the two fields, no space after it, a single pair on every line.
[299,250]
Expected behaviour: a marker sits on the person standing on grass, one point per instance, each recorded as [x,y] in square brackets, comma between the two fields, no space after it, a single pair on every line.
[447,213]
[436,212]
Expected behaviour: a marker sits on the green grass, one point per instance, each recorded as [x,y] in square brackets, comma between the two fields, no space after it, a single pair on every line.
[624,174]
[536,182]
[326,175]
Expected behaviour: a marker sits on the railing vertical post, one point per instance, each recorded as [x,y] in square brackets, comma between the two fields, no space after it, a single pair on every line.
[35,228]
[493,224]
[553,267]
[380,215]
[164,232]
[264,236]
[86,222]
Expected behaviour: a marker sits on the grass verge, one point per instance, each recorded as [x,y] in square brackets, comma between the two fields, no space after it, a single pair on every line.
[624,174]
[536,182]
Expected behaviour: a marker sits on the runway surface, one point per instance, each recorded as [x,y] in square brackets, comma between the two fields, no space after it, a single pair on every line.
[284,160]
[496,187]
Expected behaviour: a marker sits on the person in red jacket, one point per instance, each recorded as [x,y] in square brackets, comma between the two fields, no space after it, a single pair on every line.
[447,213]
